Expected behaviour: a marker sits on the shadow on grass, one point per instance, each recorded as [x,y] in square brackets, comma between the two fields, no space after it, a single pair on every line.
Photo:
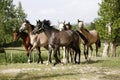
[111,77]
[93,61]
[27,76]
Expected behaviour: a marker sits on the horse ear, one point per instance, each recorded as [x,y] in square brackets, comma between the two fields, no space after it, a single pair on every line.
[25,20]
[36,21]
[39,20]
[64,22]
[69,23]
[78,20]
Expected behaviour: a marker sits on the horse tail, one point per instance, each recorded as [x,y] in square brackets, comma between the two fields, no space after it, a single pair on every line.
[99,43]
[83,37]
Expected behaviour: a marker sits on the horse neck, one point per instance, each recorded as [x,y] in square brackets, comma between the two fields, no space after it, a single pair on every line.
[24,36]
[16,35]
[49,32]
[84,31]
[30,29]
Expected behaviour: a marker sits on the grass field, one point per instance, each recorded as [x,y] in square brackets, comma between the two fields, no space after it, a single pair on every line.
[101,69]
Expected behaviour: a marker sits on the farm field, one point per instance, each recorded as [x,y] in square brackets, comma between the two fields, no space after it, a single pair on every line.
[97,69]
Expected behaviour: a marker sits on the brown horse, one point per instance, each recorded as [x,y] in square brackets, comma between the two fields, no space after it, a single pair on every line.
[92,36]
[37,40]
[68,26]
[69,39]
[66,52]
[26,41]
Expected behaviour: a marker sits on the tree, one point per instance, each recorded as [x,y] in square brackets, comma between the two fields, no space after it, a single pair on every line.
[10,17]
[109,12]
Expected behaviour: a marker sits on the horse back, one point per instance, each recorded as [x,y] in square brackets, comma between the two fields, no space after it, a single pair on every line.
[62,38]
[94,36]
[39,39]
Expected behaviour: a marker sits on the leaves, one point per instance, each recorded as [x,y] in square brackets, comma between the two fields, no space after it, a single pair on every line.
[10,17]
[109,12]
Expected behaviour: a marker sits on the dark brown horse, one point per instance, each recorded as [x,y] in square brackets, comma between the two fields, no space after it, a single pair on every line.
[68,26]
[26,41]
[69,39]
[66,52]
[92,37]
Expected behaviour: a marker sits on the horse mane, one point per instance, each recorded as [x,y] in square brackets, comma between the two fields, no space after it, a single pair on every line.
[32,26]
[83,37]
[26,21]
[24,33]
[86,30]
[47,24]
[83,25]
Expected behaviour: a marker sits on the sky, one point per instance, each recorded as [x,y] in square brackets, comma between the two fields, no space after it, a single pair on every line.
[60,10]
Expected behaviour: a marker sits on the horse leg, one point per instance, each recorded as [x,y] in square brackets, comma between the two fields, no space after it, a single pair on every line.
[75,57]
[96,50]
[67,55]
[79,55]
[30,52]
[90,52]
[39,55]
[55,55]
[28,48]
[71,55]
[58,52]
[85,52]
[29,56]
[78,51]
[64,55]
[49,54]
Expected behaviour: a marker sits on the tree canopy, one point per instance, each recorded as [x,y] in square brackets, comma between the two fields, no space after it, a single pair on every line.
[109,12]
[11,17]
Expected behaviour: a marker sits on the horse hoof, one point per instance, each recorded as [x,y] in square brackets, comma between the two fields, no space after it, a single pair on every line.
[42,62]
[78,62]
[30,61]
[54,64]
[47,63]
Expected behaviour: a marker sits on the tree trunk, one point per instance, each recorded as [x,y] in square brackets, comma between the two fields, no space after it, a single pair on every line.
[113,49]
[106,49]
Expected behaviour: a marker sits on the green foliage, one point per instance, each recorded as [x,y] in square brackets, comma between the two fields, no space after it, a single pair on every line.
[10,17]
[109,12]
[75,27]
[90,26]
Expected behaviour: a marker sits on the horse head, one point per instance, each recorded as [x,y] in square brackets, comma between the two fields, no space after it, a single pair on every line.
[25,26]
[62,26]
[16,35]
[68,26]
[38,27]
[80,24]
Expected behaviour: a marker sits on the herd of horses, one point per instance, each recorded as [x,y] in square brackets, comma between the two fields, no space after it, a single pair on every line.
[47,36]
